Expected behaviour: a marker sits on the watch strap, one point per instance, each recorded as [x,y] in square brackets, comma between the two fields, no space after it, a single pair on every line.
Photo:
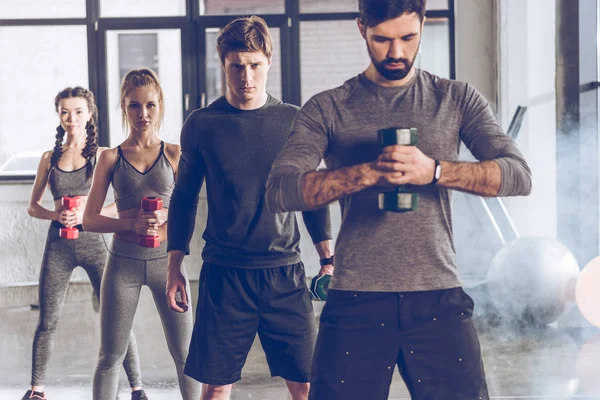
[436,172]
[326,261]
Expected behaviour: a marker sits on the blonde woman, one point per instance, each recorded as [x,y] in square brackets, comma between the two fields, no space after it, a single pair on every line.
[143,165]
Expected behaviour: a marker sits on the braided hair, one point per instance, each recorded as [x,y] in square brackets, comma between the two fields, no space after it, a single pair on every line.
[57,151]
[91,141]
[91,146]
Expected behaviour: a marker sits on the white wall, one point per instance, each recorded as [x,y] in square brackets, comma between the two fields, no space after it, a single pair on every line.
[506,49]
[476,48]
[22,238]
[527,77]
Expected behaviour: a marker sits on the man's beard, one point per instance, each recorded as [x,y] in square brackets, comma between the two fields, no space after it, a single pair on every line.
[392,74]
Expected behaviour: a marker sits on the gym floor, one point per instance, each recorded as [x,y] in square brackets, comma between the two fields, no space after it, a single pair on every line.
[543,363]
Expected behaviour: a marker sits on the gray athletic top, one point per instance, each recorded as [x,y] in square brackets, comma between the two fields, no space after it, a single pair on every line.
[70,183]
[130,185]
[386,251]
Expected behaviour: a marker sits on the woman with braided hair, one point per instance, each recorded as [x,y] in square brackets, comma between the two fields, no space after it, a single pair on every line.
[67,170]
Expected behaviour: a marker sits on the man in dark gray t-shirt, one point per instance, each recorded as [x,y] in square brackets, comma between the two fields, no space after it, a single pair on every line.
[395,297]
[252,280]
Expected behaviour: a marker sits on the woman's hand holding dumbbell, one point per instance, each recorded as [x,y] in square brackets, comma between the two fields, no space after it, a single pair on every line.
[146,224]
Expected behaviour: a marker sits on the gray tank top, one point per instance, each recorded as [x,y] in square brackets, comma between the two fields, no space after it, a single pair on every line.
[70,183]
[130,185]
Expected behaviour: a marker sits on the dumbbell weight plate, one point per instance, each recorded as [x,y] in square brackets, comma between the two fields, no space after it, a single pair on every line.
[69,233]
[398,202]
[149,241]
[319,286]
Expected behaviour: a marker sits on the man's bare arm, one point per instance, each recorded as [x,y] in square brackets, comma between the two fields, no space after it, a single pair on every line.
[320,188]
[481,178]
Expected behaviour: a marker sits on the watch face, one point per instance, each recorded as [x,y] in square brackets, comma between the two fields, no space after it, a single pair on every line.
[438,171]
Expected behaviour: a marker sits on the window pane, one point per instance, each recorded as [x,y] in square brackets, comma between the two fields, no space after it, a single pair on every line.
[241,7]
[434,54]
[330,6]
[437,4]
[159,50]
[34,9]
[327,61]
[147,8]
[215,77]
[44,60]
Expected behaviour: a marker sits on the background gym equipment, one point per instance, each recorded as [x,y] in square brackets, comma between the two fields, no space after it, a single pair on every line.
[149,204]
[532,280]
[71,203]
[587,292]
[399,199]
[319,287]
[515,124]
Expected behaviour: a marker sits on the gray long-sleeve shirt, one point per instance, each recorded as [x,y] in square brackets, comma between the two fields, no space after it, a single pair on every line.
[386,251]
[234,149]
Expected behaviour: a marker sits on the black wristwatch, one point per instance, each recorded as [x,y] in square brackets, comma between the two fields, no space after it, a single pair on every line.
[326,261]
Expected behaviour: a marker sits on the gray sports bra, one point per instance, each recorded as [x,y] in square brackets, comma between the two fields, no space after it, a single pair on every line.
[70,183]
[130,185]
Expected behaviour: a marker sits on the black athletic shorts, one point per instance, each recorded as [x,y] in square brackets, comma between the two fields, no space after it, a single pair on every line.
[236,303]
[429,335]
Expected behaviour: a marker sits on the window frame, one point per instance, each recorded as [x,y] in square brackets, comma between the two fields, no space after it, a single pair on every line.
[90,21]
[193,25]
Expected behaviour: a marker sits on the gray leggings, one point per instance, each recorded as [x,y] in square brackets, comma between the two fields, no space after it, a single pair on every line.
[128,267]
[61,256]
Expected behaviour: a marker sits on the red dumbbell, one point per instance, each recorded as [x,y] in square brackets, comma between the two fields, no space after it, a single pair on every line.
[71,204]
[150,203]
